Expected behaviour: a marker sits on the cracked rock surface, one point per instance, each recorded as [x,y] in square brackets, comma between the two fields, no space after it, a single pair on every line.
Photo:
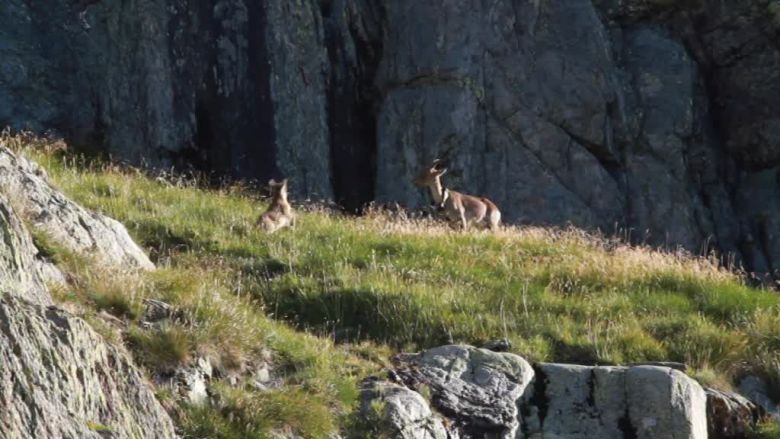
[67,223]
[19,272]
[58,378]
[730,415]
[475,393]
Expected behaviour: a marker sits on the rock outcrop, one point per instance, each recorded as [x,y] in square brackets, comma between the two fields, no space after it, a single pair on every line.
[478,393]
[19,271]
[658,118]
[400,412]
[730,416]
[58,378]
[67,223]
[756,389]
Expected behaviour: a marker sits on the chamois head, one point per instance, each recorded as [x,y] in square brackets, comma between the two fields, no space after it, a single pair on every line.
[430,174]
[278,188]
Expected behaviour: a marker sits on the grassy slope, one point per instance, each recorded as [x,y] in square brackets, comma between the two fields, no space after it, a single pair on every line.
[330,295]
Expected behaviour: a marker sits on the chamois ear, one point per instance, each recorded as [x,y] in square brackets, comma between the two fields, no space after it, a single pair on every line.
[441,172]
[272,182]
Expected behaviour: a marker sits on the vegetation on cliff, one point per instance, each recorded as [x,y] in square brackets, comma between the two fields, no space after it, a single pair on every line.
[332,298]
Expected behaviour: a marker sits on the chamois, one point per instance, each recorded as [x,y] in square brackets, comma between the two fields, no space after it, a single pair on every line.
[279,213]
[458,207]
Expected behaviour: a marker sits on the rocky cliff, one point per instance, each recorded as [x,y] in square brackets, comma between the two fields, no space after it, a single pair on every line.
[659,118]
[58,377]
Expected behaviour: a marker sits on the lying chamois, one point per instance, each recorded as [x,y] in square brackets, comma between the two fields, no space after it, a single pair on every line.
[279,213]
[458,207]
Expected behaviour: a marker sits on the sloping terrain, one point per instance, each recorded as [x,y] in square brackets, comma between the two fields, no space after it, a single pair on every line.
[290,323]
[655,116]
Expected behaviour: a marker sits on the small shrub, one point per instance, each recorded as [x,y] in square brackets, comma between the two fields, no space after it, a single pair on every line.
[117,303]
[161,349]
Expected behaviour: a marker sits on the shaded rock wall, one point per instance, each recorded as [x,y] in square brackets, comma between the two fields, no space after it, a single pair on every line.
[662,120]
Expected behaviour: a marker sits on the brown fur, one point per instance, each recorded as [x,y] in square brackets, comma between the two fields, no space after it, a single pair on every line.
[279,213]
[459,208]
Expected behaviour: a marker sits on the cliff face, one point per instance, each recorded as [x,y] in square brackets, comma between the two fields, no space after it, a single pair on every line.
[656,117]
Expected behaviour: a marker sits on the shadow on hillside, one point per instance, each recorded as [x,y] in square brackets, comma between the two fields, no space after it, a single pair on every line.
[576,354]
[265,268]
[350,315]
[163,240]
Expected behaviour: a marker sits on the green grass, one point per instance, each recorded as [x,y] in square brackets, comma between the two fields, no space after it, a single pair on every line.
[332,297]
[255,415]
[100,428]
[766,430]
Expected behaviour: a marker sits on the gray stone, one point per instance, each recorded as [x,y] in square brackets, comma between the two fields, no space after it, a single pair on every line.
[569,401]
[192,382]
[502,345]
[664,402]
[487,394]
[298,87]
[58,378]
[476,388]
[67,223]
[755,389]
[682,367]
[20,275]
[158,313]
[401,412]
[730,416]
[157,310]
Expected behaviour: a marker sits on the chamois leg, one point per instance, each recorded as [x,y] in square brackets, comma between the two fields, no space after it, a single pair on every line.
[463,220]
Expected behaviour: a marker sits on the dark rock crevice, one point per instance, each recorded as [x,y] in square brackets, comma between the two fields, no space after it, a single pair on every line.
[626,427]
[354,46]
[539,397]
[234,129]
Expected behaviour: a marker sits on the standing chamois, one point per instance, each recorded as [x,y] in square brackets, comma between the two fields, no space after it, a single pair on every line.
[279,213]
[458,207]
